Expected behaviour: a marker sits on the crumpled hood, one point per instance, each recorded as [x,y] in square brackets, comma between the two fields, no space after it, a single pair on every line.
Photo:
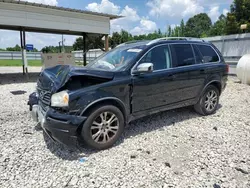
[56,77]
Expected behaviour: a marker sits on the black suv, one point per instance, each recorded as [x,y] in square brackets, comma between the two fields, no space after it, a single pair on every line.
[92,104]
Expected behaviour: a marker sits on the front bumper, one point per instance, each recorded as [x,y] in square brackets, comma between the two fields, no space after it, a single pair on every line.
[60,127]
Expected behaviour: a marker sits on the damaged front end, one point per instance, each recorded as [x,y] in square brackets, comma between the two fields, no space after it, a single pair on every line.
[54,104]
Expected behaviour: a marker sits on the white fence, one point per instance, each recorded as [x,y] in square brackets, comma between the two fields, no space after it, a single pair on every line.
[91,54]
[232,47]
[18,55]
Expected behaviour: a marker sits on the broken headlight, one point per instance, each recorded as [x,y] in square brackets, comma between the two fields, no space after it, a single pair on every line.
[60,99]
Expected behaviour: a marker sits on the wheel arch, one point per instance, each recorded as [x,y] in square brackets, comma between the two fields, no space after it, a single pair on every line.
[215,83]
[106,101]
[198,108]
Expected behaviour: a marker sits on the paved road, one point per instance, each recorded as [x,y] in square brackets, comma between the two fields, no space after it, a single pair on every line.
[18,69]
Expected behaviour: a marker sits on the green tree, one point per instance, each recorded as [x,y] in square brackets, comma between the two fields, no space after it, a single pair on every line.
[92,42]
[140,37]
[125,36]
[154,35]
[232,27]
[56,49]
[78,44]
[198,25]
[175,32]
[169,32]
[121,37]
[35,50]
[219,27]
[115,39]
[47,49]
[240,9]
[159,33]
[15,48]
[182,28]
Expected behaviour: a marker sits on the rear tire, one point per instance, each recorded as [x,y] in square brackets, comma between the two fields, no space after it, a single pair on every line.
[103,127]
[208,102]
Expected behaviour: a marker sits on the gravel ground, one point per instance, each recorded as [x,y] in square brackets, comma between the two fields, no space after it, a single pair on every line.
[172,149]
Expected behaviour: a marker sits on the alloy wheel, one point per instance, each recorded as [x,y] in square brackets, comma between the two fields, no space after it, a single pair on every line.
[211,100]
[104,127]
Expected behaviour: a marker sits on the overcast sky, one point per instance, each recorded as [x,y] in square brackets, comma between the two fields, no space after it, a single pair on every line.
[140,16]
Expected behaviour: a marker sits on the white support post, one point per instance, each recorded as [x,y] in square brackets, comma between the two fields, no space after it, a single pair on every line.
[25,61]
[22,47]
[24,54]
[23,51]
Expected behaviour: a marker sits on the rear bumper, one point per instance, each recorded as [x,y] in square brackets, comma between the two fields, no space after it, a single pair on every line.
[59,127]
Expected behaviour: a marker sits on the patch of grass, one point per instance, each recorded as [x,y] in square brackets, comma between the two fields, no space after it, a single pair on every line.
[17,62]
[80,63]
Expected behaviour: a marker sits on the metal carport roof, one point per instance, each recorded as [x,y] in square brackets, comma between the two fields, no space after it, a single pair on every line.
[35,17]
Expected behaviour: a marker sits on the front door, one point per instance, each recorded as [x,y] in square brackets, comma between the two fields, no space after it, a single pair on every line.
[154,89]
[170,82]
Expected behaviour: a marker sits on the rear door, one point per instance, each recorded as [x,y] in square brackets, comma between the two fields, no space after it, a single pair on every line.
[198,73]
[188,71]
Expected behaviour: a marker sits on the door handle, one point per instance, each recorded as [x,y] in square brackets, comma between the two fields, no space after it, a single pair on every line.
[172,76]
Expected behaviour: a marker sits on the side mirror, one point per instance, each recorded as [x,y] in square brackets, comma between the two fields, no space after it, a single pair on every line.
[144,68]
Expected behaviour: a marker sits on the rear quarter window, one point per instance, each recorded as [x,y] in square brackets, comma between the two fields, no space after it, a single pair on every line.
[208,53]
[197,55]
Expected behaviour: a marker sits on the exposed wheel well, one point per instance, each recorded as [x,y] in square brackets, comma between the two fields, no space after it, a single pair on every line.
[101,103]
[217,85]
[106,102]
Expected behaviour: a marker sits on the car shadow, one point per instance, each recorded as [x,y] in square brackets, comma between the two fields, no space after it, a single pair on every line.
[159,121]
[65,152]
[10,78]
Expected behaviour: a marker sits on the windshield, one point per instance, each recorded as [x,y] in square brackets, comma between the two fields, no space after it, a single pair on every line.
[115,59]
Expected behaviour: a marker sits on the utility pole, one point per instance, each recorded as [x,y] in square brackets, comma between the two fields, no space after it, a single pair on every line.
[60,46]
[62,43]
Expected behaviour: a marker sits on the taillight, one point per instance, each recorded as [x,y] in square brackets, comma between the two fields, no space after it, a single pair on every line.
[227,68]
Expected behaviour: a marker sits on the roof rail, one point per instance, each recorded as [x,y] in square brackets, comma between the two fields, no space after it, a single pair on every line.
[129,42]
[175,38]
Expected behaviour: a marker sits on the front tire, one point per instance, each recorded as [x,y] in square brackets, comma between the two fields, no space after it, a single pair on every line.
[208,103]
[103,127]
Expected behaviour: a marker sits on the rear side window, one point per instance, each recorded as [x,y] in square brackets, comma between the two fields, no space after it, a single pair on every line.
[208,53]
[182,55]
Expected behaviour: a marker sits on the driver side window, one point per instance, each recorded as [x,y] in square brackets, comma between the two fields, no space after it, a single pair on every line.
[159,57]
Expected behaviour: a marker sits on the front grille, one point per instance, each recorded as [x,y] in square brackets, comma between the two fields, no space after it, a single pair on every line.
[44,97]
